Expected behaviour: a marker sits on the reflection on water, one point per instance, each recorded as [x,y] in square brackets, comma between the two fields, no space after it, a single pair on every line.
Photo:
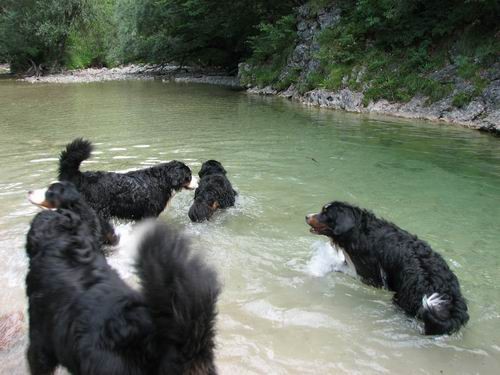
[282,310]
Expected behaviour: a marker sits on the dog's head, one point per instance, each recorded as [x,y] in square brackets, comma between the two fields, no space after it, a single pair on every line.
[61,230]
[334,220]
[58,195]
[203,207]
[180,176]
[62,234]
[211,167]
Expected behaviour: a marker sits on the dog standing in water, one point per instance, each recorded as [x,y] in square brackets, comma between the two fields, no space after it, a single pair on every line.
[133,195]
[387,256]
[214,192]
[83,316]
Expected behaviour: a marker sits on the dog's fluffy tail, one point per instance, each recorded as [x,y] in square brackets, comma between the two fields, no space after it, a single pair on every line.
[181,291]
[71,158]
[441,315]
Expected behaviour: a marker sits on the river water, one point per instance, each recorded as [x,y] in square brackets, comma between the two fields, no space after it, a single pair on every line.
[281,311]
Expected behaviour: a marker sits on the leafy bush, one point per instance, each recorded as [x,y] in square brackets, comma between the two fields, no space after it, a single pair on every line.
[271,48]
[461,99]
[34,33]
[205,32]
[401,42]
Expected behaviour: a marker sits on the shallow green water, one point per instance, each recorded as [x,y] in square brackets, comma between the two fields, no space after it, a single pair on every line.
[276,315]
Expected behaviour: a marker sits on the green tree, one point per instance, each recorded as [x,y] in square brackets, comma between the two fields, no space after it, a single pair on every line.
[34,33]
[92,39]
[206,32]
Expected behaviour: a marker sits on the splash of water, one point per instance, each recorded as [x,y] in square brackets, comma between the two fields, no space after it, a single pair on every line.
[326,259]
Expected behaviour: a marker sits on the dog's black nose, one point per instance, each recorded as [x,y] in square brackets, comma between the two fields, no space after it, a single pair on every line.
[30,192]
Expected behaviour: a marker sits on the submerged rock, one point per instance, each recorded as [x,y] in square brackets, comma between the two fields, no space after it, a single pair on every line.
[11,329]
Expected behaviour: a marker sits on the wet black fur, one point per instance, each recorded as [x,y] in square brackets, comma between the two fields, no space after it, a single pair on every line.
[214,192]
[385,255]
[133,195]
[84,317]
[63,194]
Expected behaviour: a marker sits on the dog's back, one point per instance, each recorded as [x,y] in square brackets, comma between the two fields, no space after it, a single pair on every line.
[385,255]
[134,195]
[214,191]
[425,286]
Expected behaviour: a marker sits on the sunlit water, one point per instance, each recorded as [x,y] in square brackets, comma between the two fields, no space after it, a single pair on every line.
[281,310]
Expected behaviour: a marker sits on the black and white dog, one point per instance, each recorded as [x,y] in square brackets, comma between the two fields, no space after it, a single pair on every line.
[214,192]
[133,195]
[387,256]
[65,196]
[83,316]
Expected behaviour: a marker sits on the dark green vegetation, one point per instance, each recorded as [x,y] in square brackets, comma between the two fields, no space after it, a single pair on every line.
[389,48]
[45,34]
[385,48]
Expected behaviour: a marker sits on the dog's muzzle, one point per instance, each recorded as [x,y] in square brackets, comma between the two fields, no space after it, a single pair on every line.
[316,226]
[193,184]
[37,197]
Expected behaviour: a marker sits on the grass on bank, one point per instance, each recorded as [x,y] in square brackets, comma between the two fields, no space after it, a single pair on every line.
[363,53]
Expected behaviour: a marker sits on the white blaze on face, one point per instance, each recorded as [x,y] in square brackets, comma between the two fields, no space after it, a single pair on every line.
[194,183]
[37,196]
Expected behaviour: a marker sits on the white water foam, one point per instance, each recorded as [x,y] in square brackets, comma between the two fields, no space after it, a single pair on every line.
[326,259]
[124,157]
[42,160]
[124,255]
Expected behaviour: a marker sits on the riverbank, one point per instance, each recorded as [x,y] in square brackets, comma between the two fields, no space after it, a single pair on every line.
[323,56]
[474,115]
[166,73]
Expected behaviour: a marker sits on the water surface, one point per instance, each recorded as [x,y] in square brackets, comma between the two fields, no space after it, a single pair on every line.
[281,311]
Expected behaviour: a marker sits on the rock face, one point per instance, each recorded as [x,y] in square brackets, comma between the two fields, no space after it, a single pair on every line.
[482,113]
[309,25]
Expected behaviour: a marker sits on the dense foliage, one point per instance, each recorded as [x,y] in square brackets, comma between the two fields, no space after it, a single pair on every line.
[386,48]
[207,32]
[35,33]
[77,33]
[389,48]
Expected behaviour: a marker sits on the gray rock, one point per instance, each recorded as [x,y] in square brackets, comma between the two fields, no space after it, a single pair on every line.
[344,99]
[464,115]
[481,113]
[491,94]
[289,93]
[268,90]
[491,122]
[493,73]
[446,75]
[328,17]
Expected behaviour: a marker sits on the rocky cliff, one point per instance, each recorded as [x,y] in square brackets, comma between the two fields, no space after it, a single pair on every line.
[482,112]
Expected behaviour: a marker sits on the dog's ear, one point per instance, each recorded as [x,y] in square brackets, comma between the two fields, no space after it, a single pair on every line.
[344,222]
[180,175]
